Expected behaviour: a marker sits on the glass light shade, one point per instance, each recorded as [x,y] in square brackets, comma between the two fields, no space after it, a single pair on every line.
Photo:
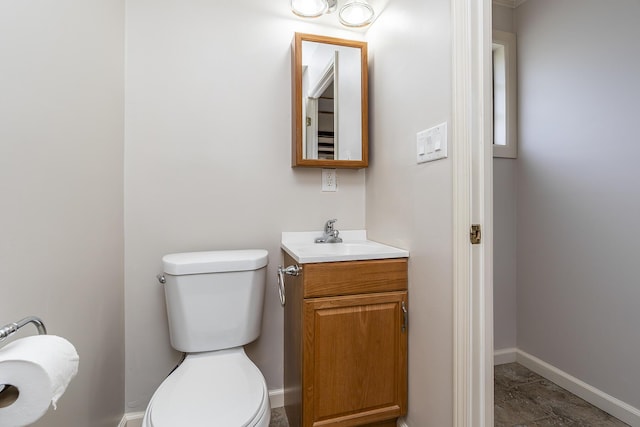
[309,8]
[356,13]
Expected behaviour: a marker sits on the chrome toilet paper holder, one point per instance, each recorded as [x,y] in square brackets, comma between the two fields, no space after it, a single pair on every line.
[7,330]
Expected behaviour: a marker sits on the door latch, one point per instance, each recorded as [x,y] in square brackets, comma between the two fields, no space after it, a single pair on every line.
[475,234]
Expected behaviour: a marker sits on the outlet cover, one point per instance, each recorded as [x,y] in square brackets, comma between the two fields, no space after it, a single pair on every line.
[329,180]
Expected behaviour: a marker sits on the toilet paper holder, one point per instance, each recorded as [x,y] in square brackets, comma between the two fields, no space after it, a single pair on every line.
[7,330]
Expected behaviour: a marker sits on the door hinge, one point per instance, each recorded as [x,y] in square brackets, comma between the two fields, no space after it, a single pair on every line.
[475,234]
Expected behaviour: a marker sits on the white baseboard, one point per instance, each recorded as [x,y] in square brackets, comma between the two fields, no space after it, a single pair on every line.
[596,397]
[276,398]
[134,419]
[402,423]
[506,355]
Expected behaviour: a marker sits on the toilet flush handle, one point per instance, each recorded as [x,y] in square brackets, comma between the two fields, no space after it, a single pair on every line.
[292,270]
[161,278]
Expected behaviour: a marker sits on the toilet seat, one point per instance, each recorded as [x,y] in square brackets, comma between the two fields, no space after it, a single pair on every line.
[220,388]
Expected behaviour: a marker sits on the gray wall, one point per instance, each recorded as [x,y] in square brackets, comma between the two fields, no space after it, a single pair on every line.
[206,166]
[410,205]
[504,228]
[61,186]
[208,148]
[578,192]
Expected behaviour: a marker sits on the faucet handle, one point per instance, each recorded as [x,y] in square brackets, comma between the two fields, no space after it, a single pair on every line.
[330,234]
[328,227]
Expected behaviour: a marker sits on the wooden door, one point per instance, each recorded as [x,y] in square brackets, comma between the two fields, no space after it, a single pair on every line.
[355,359]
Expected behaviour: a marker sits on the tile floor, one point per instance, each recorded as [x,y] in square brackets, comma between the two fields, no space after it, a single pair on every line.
[525,399]
[278,418]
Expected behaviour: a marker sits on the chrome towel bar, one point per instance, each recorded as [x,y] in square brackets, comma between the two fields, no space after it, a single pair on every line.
[7,330]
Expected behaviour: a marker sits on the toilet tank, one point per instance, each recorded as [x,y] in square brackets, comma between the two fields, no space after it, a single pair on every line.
[214,299]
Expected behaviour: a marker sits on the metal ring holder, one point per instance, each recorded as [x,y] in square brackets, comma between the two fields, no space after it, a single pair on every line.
[7,330]
[8,392]
[292,270]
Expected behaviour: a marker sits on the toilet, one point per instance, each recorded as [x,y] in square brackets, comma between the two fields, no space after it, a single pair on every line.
[214,306]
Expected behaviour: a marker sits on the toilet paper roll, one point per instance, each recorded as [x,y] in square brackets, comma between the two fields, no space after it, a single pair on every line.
[35,371]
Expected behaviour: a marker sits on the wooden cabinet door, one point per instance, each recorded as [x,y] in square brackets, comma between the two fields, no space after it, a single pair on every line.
[355,359]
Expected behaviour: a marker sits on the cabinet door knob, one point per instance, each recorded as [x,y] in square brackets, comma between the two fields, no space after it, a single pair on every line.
[405,317]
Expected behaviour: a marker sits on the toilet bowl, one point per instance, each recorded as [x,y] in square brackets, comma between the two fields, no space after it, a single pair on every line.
[214,306]
[221,388]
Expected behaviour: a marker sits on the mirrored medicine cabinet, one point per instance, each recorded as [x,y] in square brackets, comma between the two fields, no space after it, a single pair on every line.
[330,122]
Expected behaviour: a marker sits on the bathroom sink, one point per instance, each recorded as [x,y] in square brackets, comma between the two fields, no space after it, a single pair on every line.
[355,246]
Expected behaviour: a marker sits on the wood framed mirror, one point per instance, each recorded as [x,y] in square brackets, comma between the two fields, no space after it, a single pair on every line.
[330,113]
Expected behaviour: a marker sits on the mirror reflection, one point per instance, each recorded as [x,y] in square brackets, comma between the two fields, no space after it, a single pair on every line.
[330,102]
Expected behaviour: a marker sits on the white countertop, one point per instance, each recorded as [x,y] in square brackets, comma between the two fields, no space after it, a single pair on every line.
[355,246]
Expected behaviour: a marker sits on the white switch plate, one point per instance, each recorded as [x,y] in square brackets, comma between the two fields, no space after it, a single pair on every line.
[329,180]
[431,144]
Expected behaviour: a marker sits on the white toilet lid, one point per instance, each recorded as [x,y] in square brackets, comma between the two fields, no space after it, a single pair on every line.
[222,388]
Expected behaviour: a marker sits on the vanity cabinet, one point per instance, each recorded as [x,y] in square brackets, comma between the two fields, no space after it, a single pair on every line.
[346,343]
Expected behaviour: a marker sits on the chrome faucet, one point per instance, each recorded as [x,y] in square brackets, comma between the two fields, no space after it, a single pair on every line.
[330,233]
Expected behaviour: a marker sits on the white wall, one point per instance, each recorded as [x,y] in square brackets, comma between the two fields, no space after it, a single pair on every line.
[410,205]
[61,167]
[578,193]
[504,228]
[206,166]
[208,136]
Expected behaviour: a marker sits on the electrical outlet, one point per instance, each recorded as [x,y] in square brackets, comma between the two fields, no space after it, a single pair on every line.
[329,180]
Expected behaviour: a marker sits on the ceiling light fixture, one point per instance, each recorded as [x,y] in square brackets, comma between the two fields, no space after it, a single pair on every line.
[309,8]
[354,13]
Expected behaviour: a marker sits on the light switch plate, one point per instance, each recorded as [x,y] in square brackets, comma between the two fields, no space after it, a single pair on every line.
[431,144]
